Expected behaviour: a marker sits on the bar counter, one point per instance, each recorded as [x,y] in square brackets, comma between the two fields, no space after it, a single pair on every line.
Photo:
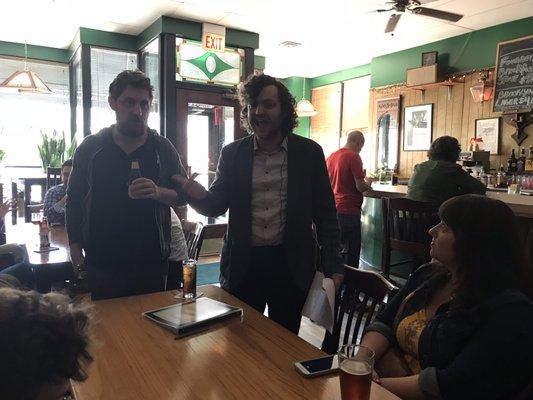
[522,205]
[371,222]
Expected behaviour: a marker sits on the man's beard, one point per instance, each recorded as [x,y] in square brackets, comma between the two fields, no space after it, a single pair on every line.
[132,129]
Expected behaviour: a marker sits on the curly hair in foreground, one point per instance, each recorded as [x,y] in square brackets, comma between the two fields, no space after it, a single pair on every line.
[44,341]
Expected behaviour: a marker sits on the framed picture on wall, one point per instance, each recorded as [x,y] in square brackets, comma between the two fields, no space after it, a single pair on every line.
[417,127]
[429,58]
[488,129]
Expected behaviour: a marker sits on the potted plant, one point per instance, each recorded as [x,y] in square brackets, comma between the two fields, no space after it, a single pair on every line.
[52,150]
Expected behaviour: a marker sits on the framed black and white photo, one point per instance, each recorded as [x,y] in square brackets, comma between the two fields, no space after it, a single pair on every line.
[488,129]
[417,127]
[429,58]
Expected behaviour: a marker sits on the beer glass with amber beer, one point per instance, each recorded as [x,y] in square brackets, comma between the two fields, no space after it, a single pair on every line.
[189,279]
[356,364]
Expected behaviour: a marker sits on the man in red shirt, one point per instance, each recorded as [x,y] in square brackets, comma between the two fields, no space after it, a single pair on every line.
[347,178]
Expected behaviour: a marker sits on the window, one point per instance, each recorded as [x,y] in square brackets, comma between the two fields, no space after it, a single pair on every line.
[105,66]
[23,116]
[151,68]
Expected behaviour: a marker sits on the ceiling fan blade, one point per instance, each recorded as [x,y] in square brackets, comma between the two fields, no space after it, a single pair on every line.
[383,10]
[430,12]
[393,21]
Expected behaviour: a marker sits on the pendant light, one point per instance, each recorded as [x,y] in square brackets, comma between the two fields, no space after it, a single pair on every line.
[25,81]
[483,90]
[304,108]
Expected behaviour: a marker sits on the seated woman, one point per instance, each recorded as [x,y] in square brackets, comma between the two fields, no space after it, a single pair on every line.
[440,177]
[44,342]
[463,327]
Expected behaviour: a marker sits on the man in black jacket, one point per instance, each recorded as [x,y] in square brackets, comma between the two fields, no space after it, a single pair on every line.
[123,224]
[275,185]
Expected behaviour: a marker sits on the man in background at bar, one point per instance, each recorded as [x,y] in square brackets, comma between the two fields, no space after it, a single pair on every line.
[440,178]
[56,197]
[123,224]
[345,169]
[275,185]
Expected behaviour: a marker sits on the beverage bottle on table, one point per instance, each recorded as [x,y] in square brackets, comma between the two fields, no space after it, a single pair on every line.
[44,233]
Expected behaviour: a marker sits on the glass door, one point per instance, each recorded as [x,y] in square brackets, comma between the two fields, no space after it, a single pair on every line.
[206,122]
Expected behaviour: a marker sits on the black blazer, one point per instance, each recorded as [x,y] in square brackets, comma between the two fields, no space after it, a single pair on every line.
[309,200]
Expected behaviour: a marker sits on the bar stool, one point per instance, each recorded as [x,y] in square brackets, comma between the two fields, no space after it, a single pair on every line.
[405,228]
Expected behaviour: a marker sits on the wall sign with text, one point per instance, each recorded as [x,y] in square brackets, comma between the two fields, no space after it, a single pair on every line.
[513,90]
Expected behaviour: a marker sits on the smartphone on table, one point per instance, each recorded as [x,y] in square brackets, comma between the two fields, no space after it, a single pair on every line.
[318,366]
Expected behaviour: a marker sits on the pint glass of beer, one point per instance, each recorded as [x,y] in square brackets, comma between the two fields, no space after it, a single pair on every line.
[356,364]
[189,279]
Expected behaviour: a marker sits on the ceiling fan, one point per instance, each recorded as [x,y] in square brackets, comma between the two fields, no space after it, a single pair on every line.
[400,6]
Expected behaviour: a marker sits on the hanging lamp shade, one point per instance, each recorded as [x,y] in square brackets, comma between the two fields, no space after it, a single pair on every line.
[25,81]
[304,108]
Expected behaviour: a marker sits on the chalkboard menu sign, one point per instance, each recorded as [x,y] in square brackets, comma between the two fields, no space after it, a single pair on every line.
[514,76]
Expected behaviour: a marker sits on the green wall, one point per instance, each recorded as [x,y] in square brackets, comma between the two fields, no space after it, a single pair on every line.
[43,53]
[295,84]
[340,76]
[462,53]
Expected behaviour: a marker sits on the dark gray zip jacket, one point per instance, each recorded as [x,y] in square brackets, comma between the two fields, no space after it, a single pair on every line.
[78,207]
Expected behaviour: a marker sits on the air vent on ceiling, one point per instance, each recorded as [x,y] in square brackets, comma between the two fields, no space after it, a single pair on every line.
[288,43]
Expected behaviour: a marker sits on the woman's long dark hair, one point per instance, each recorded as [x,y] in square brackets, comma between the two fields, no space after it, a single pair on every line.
[488,248]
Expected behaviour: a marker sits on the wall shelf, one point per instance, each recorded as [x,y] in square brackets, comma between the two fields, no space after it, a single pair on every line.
[447,83]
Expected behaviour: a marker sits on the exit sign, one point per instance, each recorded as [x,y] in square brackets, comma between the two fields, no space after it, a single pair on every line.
[214,37]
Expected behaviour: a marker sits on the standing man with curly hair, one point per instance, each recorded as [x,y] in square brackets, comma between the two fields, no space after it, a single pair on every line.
[276,186]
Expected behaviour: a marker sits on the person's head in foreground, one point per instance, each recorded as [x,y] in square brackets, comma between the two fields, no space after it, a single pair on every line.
[44,342]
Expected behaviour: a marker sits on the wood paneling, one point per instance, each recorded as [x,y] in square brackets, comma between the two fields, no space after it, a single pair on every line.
[355,104]
[454,114]
[325,126]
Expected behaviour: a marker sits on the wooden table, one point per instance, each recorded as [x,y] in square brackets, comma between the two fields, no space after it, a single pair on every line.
[253,359]
[28,234]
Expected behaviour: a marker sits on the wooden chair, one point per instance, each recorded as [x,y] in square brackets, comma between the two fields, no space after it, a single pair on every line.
[362,296]
[192,232]
[212,231]
[405,228]
[53,177]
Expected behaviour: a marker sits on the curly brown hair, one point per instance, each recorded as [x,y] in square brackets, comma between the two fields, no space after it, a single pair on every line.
[44,339]
[249,91]
[488,248]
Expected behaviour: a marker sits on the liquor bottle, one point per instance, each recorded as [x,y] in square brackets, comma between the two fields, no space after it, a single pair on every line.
[529,160]
[44,232]
[501,180]
[135,171]
[521,162]
[511,163]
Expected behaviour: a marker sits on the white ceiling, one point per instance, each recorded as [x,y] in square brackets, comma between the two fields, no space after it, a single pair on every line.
[335,34]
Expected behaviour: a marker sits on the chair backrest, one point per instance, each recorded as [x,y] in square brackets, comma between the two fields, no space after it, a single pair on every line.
[212,231]
[362,296]
[53,177]
[192,232]
[405,228]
